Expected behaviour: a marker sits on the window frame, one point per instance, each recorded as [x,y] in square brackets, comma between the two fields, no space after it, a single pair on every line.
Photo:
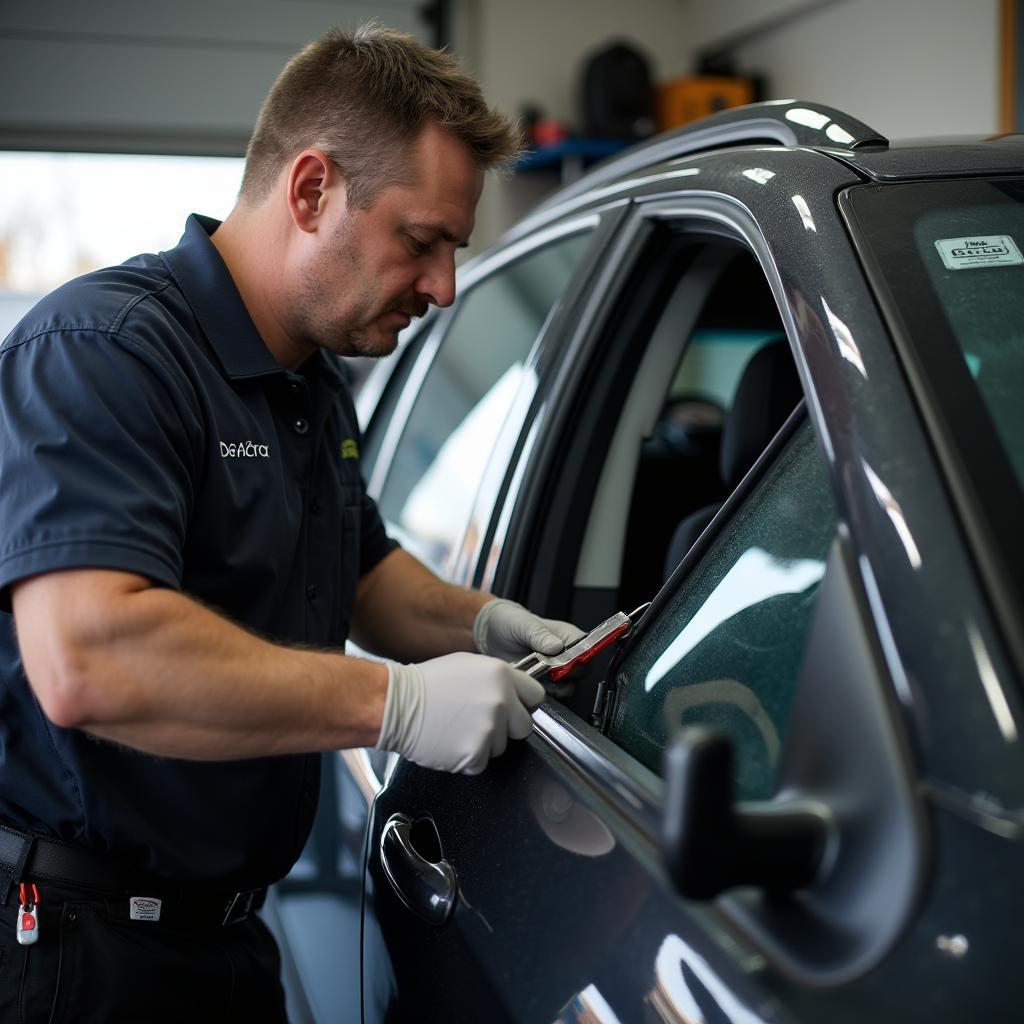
[436,333]
[519,540]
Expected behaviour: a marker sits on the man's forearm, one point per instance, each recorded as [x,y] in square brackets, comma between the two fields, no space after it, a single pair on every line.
[154,670]
[405,612]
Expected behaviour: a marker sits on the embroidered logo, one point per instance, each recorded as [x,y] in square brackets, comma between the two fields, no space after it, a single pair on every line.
[144,908]
[244,450]
[349,449]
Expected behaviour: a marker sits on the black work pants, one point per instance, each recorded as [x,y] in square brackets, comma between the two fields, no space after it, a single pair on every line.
[92,964]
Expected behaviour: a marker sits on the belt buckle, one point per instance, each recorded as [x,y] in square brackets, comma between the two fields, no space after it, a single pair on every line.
[240,906]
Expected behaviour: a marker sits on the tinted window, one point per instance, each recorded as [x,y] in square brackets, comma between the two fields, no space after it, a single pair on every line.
[714,360]
[952,254]
[431,484]
[726,651]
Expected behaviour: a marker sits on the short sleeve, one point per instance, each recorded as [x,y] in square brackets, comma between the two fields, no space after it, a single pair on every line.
[99,448]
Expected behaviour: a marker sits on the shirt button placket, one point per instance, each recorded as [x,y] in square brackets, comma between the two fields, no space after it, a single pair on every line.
[299,400]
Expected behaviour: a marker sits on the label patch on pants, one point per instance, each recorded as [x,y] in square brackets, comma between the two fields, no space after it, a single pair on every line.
[144,908]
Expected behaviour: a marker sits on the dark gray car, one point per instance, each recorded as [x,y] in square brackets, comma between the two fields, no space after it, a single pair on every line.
[767,373]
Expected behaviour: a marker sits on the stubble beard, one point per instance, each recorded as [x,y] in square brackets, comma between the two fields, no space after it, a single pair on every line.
[356,333]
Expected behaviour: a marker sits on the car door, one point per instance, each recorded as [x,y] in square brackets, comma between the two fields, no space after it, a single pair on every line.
[538,891]
[463,377]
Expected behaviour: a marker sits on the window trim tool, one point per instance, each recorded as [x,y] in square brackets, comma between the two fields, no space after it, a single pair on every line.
[556,667]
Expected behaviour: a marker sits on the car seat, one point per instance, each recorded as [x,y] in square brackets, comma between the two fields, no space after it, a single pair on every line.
[767,392]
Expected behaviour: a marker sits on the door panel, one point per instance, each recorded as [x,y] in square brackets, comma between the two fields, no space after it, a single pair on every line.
[561,903]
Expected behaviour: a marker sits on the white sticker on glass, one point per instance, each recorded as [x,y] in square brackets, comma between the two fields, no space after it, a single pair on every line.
[979,251]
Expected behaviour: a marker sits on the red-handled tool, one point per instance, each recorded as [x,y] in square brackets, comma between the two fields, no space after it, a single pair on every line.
[554,667]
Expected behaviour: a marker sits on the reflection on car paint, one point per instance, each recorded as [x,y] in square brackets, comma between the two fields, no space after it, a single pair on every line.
[893,661]
[587,1007]
[759,174]
[955,945]
[805,213]
[895,514]
[819,121]
[754,578]
[358,763]
[479,913]
[569,824]
[989,679]
[981,809]
[844,340]
[633,183]
[681,977]
[808,118]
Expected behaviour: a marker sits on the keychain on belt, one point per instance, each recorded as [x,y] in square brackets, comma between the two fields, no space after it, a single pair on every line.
[28,914]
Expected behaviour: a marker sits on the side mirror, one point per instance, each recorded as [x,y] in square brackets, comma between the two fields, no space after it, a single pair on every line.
[709,844]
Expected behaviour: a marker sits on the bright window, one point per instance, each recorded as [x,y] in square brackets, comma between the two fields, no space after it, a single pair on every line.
[64,214]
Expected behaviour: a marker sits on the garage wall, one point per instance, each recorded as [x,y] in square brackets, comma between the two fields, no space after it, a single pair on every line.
[186,77]
[531,51]
[534,49]
[906,67]
[189,77]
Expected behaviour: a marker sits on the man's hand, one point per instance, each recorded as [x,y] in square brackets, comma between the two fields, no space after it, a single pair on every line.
[456,712]
[506,630]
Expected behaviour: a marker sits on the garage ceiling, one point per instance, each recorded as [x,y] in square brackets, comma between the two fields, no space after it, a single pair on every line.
[121,76]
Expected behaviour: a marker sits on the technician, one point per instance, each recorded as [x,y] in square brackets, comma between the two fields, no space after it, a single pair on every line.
[187,544]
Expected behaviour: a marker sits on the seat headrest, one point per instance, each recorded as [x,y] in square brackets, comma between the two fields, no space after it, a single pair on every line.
[768,391]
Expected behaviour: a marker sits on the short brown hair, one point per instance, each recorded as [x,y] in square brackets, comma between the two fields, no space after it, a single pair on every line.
[363,98]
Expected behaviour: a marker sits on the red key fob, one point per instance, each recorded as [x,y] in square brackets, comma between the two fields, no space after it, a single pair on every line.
[28,925]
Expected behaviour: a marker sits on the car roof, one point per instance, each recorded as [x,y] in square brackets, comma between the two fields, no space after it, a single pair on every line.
[803,125]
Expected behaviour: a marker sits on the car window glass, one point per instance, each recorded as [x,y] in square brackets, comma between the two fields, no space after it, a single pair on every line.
[984,305]
[714,360]
[950,256]
[726,651]
[431,483]
[385,408]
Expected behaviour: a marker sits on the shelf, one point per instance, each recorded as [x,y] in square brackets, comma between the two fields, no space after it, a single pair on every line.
[570,156]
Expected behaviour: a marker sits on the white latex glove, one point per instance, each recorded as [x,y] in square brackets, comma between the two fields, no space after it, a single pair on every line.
[506,630]
[455,713]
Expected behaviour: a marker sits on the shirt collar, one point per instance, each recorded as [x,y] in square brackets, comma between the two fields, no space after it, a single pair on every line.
[204,280]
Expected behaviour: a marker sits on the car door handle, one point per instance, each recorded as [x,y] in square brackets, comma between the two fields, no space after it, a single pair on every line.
[427,887]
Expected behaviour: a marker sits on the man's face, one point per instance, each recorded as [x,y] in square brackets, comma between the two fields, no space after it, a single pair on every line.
[376,269]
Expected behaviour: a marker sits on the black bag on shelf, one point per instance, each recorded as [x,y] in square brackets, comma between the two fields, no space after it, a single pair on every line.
[617,100]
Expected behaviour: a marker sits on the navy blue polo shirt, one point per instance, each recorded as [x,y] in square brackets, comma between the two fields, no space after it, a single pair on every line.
[145,427]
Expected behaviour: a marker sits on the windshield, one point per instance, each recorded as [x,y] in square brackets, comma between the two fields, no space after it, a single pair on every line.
[951,256]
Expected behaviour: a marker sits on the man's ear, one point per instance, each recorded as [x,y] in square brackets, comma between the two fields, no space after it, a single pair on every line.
[313,181]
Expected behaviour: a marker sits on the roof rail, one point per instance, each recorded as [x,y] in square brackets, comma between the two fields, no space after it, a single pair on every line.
[781,122]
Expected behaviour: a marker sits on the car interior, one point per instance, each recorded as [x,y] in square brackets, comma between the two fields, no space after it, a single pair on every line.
[713,384]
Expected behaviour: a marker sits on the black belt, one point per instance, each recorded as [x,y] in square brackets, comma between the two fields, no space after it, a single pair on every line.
[28,858]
